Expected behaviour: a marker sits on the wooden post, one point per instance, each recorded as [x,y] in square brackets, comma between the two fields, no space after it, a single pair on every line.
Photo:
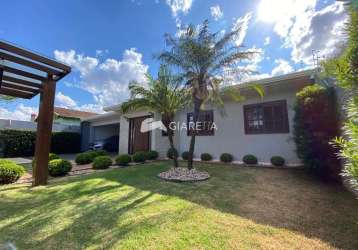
[44,131]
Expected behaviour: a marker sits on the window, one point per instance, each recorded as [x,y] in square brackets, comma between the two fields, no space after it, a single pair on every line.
[204,124]
[266,118]
[166,124]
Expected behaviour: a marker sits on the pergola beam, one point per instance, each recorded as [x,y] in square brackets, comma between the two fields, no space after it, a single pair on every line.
[21,81]
[25,53]
[28,63]
[20,87]
[15,93]
[24,73]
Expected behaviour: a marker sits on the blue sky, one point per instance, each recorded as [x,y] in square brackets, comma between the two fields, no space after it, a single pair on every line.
[109,43]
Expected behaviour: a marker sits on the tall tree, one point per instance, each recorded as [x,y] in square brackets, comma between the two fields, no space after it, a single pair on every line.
[204,60]
[162,96]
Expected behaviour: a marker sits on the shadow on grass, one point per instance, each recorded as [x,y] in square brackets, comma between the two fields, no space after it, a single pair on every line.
[104,208]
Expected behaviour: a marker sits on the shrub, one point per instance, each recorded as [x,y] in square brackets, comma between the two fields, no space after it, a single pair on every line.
[22,142]
[139,157]
[10,172]
[171,153]
[277,160]
[249,159]
[83,158]
[53,156]
[123,160]
[152,155]
[185,155]
[316,123]
[225,157]
[102,162]
[206,157]
[59,167]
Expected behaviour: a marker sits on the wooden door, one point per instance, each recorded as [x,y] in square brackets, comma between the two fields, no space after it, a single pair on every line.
[138,141]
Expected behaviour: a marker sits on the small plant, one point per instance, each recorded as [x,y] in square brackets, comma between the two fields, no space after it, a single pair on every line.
[206,157]
[139,157]
[171,153]
[95,153]
[102,162]
[123,160]
[53,156]
[10,172]
[249,159]
[59,167]
[277,160]
[152,155]
[83,158]
[225,157]
[185,155]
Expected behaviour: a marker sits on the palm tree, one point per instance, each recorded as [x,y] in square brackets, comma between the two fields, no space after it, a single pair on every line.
[204,60]
[162,96]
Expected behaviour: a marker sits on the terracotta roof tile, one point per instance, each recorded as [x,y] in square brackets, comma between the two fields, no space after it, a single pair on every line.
[71,113]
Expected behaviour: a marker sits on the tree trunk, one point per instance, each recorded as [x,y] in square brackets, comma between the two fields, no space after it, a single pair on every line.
[197,104]
[175,157]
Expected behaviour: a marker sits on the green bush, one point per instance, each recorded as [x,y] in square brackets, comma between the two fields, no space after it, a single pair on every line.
[89,156]
[123,160]
[102,162]
[185,155]
[59,167]
[152,155]
[277,160]
[139,157]
[206,157]
[171,153]
[249,159]
[22,142]
[10,172]
[53,156]
[83,158]
[225,157]
[315,125]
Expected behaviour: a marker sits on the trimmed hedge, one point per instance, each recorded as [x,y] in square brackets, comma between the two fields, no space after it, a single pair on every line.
[53,156]
[59,167]
[277,160]
[22,142]
[10,172]
[152,155]
[102,162]
[89,156]
[225,157]
[123,160]
[206,157]
[171,153]
[249,159]
[185,155]
[139,156]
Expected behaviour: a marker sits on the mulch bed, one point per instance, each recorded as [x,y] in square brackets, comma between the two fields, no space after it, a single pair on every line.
[184,174]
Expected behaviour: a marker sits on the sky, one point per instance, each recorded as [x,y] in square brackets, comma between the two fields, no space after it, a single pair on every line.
[111,43]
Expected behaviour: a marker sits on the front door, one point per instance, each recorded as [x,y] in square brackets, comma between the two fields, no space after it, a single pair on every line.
[138,141]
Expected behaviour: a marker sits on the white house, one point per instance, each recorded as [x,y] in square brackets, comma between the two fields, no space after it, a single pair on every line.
[259,126]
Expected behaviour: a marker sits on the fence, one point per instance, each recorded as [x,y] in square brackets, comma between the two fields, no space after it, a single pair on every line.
[26,125]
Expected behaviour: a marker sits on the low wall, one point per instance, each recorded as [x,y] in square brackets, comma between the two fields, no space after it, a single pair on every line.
[26,125]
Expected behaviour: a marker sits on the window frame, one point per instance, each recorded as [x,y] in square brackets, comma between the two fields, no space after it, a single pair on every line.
[200,132]
[285,122]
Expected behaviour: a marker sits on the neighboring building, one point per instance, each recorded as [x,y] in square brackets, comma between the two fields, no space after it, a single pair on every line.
[259,126]
[68,116]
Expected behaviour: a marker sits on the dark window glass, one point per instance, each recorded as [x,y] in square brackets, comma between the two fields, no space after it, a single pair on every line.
[204,125]
[266,118]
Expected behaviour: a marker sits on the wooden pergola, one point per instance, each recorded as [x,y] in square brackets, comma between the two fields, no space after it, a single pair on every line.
[24,74]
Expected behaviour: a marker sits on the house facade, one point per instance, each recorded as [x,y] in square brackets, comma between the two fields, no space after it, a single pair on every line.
[259,126]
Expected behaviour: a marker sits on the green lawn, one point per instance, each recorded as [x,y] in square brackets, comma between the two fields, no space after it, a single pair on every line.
[238,208]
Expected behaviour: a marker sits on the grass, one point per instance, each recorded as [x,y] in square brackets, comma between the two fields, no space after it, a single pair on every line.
[238,208]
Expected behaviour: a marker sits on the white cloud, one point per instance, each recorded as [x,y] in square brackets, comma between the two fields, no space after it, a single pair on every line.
[179,6]
[283,67]
[21,112]
[216,12]
[305,28]
[107,80]
[241,23]
[267,40]
[64,101]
